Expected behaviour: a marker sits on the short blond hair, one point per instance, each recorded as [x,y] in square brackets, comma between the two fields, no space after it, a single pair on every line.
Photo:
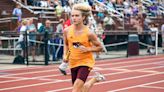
[84,8]
[24,22]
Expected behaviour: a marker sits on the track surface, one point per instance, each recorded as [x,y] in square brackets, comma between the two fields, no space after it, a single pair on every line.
[136,74]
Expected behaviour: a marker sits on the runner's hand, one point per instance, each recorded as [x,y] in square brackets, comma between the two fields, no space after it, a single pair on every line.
[84,49]
[66,57]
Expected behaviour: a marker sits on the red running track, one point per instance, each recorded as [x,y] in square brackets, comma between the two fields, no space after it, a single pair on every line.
[135,74]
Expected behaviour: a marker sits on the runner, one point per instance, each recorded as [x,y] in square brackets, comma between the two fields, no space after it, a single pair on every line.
[80,42]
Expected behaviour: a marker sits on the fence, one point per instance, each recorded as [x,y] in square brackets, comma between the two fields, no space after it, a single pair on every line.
[48,48]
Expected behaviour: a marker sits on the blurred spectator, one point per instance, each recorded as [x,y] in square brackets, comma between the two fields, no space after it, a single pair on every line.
[55,3]
[128,13]
[136,22]
[120,2]
[63,2]
[109,23]
[135,10]
[32,36]
[58,49]
[43,28]
[44,3]
[126,4]
[154,29]
[57,39]
[48,28]
[36,3]
[140,9]
[49,3]
[109,4]
[114,3]
[40,27]
[67,21]
[60,26]
[67,9]
[17,12]
[147,30]
[90,2]
[59,10]
[153,10]
[100,11]
[21,40]
[99,30]
[146,22]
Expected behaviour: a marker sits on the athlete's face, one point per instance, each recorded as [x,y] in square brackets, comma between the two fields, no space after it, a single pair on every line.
[77,17]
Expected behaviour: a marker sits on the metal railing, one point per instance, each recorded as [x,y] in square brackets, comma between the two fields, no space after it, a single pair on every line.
[7,19]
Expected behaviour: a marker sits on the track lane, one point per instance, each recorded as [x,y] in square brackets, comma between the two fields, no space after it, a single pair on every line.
[52,79]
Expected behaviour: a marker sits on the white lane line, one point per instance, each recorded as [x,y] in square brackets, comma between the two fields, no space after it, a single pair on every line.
[147,71]
[127,62]
[38,84]
[44,77]
[22,79]
[128,66]
[122,79]
[55,66]
[142,70]
[142,76]
[41,71]
[28,68]
[31,85]
[135,61]
[124,71]
[17,79]
[130,58]
[98,68]
[140,85]
[153,87]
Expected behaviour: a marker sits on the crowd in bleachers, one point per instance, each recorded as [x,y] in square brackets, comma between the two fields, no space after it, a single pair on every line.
[132,10]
